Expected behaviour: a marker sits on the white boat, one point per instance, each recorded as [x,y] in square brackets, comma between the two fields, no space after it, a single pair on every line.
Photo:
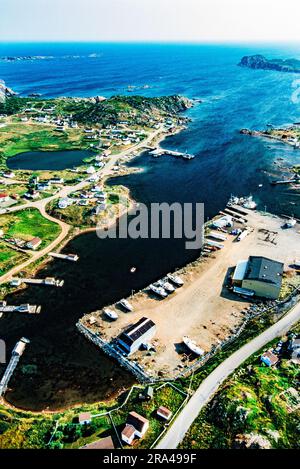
[193,346]
[249,203]
[243,235]
[126,305]
[158,291]
[175,279]
[290,223]
[110,314]
[166,285]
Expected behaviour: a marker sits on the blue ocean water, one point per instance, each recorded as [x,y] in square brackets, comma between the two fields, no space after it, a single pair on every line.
[232,97]
[69,368]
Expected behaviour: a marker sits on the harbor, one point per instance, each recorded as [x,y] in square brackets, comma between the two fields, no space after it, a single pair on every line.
[203,311]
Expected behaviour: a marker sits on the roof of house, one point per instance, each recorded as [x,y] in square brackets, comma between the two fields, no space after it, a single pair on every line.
[136,420]
[137,330]
[35,241]
[84,416]
[128,431]
[164,411]
[3,195]
[271,357]
[104,443]
[264,270]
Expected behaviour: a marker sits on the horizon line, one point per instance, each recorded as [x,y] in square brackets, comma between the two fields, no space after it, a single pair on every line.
[145,41]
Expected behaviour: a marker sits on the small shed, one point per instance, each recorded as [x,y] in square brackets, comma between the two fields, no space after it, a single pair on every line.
[85,418]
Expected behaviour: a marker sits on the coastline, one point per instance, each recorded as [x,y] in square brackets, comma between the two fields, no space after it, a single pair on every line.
[74,233]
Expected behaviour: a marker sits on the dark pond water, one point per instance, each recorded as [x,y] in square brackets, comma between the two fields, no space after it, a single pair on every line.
[48,160]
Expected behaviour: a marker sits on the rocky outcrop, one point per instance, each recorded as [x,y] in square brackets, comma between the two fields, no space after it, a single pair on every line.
[261,62]
[5,92]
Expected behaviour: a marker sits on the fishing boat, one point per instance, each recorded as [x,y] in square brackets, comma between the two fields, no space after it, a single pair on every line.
[166,285]
[159,291]
[110,314]
[192,346]
[126,305]
[176,280]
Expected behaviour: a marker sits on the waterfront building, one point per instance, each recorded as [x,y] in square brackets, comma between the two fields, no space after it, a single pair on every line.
[260,275]
[137,334]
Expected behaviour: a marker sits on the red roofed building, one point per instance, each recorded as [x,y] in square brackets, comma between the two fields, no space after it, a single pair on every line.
[136,426]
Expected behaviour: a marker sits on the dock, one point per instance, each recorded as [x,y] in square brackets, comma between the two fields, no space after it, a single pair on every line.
[160,151]
[66,257]
[48,281]
[25,308]
[15,357]
[286,181]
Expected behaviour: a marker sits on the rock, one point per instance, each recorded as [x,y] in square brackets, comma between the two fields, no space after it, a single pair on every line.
[261,62]
[5,92]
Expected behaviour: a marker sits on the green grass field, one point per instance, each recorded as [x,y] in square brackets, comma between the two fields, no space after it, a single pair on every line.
[28,224]
[21,137]
[9,258]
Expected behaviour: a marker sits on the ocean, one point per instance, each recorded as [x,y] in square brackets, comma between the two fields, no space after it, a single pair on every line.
[68,369]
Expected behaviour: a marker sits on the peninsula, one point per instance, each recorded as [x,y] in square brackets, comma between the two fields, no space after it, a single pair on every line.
[280,65]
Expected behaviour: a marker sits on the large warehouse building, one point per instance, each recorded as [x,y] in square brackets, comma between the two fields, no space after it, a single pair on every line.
[137,334]
[259,275]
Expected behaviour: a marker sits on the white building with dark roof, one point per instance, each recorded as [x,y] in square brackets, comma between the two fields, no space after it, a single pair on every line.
[137,334]
[260,275]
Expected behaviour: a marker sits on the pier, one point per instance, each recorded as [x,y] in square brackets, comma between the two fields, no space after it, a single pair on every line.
[15,357]
[25,308]
[160,151]
[48,281]
[66,257]
[286,181]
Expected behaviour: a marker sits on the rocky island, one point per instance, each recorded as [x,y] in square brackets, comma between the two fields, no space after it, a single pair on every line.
[280,65]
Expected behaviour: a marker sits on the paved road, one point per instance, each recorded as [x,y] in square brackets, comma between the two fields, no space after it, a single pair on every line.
[64,192]
[209,386]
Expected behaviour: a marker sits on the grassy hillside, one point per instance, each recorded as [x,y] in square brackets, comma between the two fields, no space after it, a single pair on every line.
[255,408]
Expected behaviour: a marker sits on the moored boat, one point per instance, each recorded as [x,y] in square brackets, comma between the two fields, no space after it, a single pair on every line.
[110,314]
[192,346]
[176,280]
[125,304]
[158,290]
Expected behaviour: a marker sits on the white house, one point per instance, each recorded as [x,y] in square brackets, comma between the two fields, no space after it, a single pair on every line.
[136,426]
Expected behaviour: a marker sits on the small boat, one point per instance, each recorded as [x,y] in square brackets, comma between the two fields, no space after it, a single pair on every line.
[192,346]
[175,279]
[133,269]
[249,203]
[110,314]
[158,291]
[126,305]
[166,285]
[290,223]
